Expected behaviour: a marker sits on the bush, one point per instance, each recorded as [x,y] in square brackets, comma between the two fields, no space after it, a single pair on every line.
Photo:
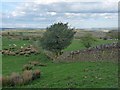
[20,79]
[57,37]
[88,40]
[5,81]
[27,76]
[25,38]
[105,38]
[16,79]
[36,74]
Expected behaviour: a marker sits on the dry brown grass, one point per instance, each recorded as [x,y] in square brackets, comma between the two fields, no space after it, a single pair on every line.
[16,79]
[5,81]
[27,76]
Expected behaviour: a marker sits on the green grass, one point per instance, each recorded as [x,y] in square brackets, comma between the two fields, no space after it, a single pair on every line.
[72,75]
[63,75]
[6,42]
[76,44]
[15,63]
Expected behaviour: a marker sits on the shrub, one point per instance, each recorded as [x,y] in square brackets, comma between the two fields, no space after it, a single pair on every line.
[37,73]
[5,81]
[27,76]
[88,40]
[105,38]
[26,38]
[16,79]
[27,67]
[57,37]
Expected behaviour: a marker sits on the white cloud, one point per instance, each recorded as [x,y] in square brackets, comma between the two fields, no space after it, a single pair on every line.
[47,1]
[51,13]
[53,9]
[58,0]
[108,17]
[91,15]
[18,13]
[21,25]
[40,18]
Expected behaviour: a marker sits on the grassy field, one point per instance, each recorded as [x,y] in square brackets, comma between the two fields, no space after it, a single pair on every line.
[6,42]
[15,64]
[73,75]
[63,75]
[76,44]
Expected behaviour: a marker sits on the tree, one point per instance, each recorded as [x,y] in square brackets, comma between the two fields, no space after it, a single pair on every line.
[57,37]
[87,40]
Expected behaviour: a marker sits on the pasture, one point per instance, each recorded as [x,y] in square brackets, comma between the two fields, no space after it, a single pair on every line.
[76,44]
[84,74]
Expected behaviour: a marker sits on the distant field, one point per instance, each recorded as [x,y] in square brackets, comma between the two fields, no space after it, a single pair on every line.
[75,45]
[98,34]
[78,34]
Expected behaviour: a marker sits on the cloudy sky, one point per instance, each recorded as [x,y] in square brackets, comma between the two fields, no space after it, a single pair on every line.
[42,13]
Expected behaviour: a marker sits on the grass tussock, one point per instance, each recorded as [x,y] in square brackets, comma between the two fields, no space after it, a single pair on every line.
[16,79]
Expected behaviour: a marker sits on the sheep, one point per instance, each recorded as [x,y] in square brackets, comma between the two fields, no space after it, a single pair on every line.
[9,45]
[21,53]
[14,45]
[26,55]
[12,53]
[21,47]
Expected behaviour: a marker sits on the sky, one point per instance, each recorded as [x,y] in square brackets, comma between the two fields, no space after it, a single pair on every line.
[43,13]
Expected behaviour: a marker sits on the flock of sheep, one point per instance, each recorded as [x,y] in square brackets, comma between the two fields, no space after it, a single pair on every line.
[22,51]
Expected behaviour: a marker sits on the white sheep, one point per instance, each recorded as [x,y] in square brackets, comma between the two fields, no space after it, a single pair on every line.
[9,44]
[15,45]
